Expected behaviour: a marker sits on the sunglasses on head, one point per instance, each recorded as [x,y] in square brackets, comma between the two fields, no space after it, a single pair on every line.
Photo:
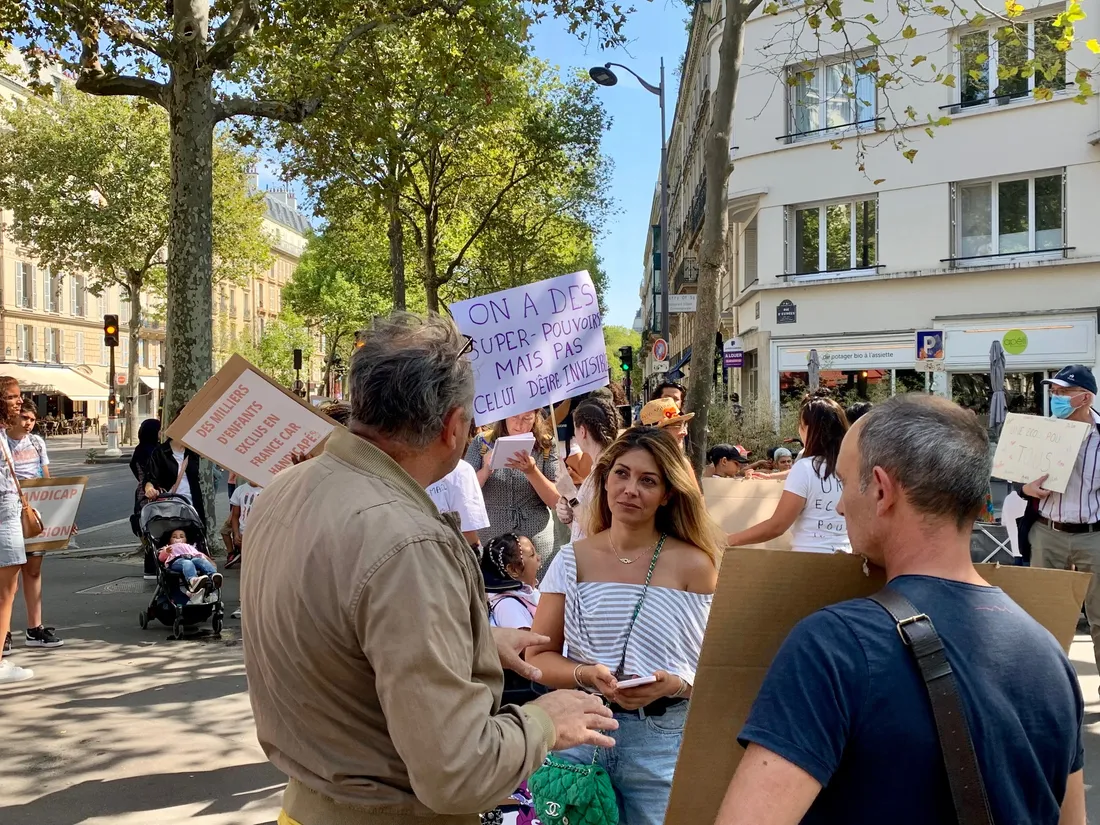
[467,348]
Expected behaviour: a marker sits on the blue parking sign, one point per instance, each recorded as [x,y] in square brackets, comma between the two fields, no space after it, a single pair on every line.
[930,345]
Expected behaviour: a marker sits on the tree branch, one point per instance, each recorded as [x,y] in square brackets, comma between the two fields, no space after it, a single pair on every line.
[294,111]
[100,83]
[233,34]
[123,32]
[93,79]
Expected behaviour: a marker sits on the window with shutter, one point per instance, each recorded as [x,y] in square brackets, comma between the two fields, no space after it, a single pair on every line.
[80,348]
[34,288]
[19,283]
[750,256]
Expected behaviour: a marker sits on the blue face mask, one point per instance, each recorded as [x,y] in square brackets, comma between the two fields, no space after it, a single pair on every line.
[1061,406]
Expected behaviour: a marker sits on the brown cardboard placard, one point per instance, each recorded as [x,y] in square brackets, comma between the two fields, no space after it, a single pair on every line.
[246,422]
[761,596]
[57,501]
[738,503]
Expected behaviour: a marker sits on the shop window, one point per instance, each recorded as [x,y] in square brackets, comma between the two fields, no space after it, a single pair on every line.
[1009,62]
[1023,392]
[750,376]
[1017,216]
[834,237]
[831,95]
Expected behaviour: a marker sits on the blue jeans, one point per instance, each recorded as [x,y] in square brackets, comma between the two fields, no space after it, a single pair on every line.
[641,764]
[189,568]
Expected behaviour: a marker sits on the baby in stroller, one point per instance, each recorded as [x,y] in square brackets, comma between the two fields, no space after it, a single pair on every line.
[197,569]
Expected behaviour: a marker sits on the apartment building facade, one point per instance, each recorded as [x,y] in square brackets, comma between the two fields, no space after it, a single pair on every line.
[987,234]
[52,325]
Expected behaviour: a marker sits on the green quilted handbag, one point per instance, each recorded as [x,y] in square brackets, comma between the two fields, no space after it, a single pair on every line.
[568,794]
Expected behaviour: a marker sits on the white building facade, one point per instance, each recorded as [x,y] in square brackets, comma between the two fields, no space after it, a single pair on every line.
[989,234]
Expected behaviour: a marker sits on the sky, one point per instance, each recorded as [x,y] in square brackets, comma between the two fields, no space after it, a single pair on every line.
[655,30]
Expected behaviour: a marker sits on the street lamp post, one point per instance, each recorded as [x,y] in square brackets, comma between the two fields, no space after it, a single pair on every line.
[605,77]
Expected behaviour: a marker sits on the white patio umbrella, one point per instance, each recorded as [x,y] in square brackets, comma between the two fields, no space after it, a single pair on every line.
[814,366]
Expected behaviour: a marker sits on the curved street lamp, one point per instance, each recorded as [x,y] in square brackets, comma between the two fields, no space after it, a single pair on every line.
[605,77]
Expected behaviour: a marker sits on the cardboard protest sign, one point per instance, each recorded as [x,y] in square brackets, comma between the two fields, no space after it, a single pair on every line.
[738,503]
[245,422]
[761,596]
[1032,446]
[57,501]
[534,345]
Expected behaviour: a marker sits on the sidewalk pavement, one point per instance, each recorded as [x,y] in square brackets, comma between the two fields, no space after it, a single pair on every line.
[122,726]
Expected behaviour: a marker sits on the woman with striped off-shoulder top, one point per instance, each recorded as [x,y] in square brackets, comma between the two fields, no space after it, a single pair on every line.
[631,601]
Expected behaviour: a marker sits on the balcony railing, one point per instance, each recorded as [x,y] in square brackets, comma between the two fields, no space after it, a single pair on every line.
[698,206]
[687,273]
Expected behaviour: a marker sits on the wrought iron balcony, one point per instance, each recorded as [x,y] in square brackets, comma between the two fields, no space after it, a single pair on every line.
[687,274]
[698,206]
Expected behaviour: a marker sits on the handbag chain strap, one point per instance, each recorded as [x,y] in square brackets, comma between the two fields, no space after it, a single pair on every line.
[638,606]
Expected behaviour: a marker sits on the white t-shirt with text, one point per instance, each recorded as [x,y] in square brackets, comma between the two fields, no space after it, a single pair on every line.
[28,454]
[459,492]
[818,528]
[244,497]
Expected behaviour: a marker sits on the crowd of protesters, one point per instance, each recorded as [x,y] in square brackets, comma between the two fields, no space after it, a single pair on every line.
[417,643]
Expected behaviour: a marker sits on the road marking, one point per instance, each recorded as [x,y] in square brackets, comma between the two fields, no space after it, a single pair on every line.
[106,525]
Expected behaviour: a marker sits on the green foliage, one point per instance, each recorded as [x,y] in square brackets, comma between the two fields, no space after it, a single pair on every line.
[615,337]
[273,352]
[87,180]
[341,282]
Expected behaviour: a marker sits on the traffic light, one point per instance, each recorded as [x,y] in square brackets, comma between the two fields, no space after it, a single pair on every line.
[626,358]
[110,330]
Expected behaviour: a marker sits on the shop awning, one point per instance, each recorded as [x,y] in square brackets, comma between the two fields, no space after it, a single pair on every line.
[55,381]
[150,382]
[679,366]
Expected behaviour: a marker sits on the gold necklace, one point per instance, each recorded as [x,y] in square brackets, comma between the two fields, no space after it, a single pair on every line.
[620,559]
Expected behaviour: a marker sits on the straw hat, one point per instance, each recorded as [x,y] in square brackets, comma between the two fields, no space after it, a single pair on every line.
[663,412]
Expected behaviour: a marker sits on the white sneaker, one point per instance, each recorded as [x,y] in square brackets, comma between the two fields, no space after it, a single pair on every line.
[236,614]
[12,673]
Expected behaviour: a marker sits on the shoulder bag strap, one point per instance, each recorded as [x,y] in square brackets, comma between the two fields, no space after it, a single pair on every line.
[963,773]
[179,478]
[638,606]
[11,467]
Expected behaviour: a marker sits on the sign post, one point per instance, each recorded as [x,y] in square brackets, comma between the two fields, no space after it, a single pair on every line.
[660,350]
[733,353]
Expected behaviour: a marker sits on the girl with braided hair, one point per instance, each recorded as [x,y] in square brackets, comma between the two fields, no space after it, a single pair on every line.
[510,565]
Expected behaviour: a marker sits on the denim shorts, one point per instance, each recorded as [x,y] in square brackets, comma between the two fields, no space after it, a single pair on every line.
[641,764]
[12,550]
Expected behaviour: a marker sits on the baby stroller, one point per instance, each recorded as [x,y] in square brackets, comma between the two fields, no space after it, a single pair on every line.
[170,603]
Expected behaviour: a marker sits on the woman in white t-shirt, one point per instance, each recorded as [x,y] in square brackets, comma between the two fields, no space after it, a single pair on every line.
[812,489]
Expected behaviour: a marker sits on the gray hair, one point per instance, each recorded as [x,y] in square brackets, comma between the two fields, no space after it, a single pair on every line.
[936,451]
[408,375]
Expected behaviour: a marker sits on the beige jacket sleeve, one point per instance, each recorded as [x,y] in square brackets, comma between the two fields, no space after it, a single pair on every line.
[417,627]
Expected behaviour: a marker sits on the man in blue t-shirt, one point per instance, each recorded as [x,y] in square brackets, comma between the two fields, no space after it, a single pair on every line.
[842,730]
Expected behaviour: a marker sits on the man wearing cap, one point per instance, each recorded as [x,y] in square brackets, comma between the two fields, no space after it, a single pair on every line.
[1067,531]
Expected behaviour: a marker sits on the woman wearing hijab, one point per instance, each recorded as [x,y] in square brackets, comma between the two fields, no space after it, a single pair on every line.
[148,441]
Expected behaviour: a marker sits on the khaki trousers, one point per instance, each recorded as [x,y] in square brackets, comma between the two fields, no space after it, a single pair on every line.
[1056,550]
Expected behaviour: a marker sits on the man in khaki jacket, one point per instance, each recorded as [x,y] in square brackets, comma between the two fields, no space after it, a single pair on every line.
[374,675]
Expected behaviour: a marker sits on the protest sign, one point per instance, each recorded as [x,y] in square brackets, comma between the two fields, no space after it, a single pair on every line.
[57,501]
[245,422]
[533,345]
[761,596]
[738,503]
[1032,446]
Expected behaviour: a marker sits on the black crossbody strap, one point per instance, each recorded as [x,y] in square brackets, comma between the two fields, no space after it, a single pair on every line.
[963,773]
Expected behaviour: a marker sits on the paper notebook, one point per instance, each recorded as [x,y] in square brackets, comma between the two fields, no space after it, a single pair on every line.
[508,445]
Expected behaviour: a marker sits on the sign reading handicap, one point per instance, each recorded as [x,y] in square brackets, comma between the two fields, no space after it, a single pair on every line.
[533,345]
